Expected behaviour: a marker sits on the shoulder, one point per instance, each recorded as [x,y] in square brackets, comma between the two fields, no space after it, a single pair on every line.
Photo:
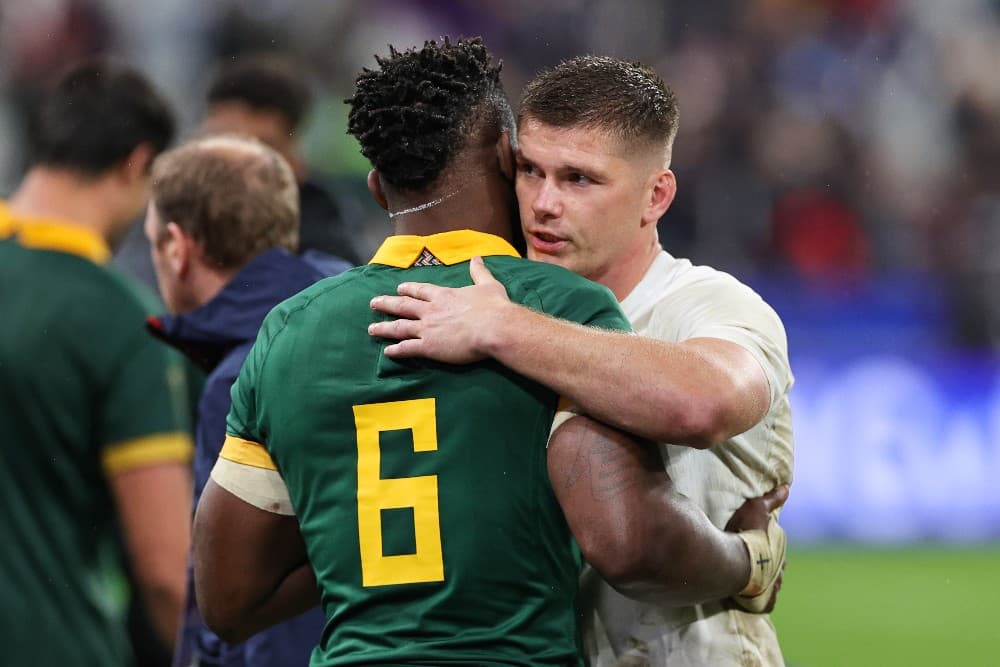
[559,292]
[96,301]
[703,302]
[327,296]
[692,291]
[548,280]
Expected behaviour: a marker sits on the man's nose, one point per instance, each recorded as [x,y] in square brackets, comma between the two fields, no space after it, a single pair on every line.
[547,202]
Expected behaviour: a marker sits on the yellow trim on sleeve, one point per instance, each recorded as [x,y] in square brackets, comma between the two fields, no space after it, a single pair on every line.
[450,248]
[57,235]
[246,452]
[148,450]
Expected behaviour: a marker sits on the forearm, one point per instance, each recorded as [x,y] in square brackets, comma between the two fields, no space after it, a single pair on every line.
[689,560]
[164,603]
[153,507]
[296,594]
[666,392]
[632,526]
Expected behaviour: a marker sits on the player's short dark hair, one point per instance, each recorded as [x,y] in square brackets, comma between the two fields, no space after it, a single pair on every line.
[415,113]
[96,115]
[627,99]
[265,82]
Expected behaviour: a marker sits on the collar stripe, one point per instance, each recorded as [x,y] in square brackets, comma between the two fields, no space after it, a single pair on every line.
[448,248]
[55,235]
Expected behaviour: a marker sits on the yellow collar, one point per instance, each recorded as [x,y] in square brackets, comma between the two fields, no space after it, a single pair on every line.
[448,248]
[56,235]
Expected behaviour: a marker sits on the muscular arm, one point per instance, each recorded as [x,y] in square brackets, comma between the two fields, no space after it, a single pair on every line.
[250,566]
[154,508]
[633,527]
[697,392]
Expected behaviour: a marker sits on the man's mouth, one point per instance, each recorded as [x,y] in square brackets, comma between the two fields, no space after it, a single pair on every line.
[544,242]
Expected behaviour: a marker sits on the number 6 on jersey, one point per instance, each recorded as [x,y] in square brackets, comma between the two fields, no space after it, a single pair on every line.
[375,494]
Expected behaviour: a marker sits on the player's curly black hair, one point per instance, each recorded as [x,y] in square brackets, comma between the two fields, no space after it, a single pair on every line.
[414,114]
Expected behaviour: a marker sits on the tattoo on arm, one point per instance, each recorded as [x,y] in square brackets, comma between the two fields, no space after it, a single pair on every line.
[611,462]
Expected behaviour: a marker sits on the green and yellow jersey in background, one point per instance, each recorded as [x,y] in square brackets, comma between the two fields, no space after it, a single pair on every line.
[421,488]
[85,393]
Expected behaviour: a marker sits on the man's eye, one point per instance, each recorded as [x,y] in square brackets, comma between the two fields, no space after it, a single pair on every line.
[578,178]
[526,168]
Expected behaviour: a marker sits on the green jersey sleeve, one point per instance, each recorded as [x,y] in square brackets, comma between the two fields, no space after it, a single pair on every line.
[142,413]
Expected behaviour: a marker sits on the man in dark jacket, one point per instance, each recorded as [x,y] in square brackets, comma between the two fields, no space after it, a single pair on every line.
[222,224]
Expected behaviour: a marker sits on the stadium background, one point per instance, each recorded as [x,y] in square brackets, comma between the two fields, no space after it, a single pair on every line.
[842,156]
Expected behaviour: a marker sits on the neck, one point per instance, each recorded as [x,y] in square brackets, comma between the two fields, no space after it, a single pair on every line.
[48,192]
[622,277]
[205,283]
[482,202]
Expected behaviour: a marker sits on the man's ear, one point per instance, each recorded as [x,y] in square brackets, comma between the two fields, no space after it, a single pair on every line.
[136,164]
[663,188]
[178,249]
[375,187]
[505,155]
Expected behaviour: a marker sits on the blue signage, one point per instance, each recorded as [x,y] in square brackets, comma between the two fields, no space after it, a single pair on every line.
[897,431]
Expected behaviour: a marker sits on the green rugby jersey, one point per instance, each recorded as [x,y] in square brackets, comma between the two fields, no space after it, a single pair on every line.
[85,393]
[421,489]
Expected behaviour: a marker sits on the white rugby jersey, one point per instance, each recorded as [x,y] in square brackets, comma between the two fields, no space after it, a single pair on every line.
[676,301]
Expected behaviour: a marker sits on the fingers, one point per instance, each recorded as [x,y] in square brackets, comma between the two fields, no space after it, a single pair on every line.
[480,274]
[421,291]
[399,306]
[395,330]
[404,349]
[775,498]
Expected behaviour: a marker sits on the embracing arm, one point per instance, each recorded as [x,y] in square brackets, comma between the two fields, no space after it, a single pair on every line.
[697,392]
[250,566]
[646,539]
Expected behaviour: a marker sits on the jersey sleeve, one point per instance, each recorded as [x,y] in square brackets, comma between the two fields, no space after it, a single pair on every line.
[143,412]
[246,471]
[728,310]
[245,467]
[246,434]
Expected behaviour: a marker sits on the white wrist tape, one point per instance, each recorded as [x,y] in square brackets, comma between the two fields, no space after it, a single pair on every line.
[767,558]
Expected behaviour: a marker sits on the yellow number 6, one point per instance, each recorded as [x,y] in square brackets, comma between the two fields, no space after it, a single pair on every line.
[376,494]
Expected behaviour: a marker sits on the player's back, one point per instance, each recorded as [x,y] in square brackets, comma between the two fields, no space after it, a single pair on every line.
[70,326]
[421,488]
[56,511]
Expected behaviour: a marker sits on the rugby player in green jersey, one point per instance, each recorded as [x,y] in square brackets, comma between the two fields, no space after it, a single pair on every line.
[423,494]
[95,438]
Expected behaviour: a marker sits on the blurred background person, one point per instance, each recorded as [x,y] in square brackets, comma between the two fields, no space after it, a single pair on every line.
[267,97]
[222,224]
[93,410]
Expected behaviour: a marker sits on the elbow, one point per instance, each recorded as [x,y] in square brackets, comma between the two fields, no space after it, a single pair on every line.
[222,607]
[702,424]
[163,586]
[639,568]
[225,621]
[618,554]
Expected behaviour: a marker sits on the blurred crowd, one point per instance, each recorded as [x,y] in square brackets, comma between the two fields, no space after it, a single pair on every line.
[825,139]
